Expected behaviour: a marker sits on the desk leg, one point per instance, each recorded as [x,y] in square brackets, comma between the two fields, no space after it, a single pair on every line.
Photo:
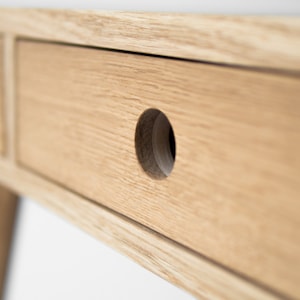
[8,207]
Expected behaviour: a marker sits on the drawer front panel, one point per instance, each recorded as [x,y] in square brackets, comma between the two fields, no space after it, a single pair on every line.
[1,97]
[234,192]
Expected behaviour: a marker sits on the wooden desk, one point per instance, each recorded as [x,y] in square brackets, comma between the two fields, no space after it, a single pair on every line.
[224,222]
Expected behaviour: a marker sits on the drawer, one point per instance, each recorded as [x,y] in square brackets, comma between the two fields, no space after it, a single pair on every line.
[233,193]
[1,98]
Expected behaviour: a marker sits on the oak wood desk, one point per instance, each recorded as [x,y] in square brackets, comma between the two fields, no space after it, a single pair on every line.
[174,138]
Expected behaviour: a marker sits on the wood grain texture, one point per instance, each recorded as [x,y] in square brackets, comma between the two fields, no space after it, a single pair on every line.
[156,253]
[1,98]
[8,205]
[9,95]
[234,192]
[268,42]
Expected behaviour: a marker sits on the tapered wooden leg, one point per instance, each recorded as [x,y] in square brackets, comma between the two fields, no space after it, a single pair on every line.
[8,205]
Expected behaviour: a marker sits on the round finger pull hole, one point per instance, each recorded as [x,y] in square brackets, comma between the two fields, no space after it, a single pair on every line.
[155,143]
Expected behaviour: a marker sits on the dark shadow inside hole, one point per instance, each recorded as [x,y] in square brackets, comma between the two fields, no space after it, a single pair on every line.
[172,143]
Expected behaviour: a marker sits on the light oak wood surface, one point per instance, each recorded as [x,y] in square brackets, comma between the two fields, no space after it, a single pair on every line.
[1,98]
[257,41]
[233,195]
[9,96]
[171,261]
[8,205]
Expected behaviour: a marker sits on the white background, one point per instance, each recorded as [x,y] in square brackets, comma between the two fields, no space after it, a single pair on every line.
[54,260]
[279,7]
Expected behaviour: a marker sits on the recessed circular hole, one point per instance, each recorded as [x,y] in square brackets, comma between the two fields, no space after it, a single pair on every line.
[155,143]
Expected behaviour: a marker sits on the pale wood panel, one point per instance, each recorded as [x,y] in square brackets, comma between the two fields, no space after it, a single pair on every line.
[156,253]
[8,205]
[1,98]
[9,95]
[260,41]
[234,192]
